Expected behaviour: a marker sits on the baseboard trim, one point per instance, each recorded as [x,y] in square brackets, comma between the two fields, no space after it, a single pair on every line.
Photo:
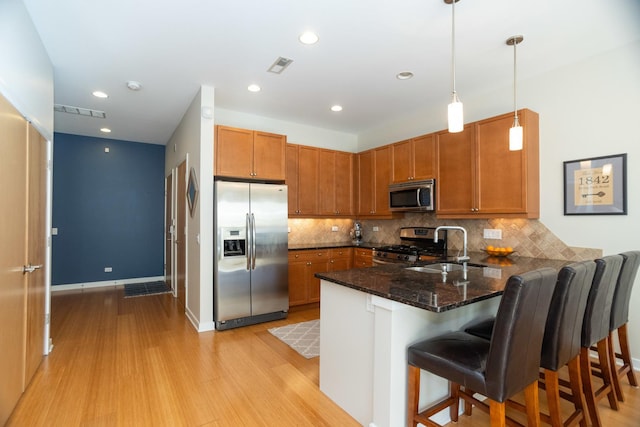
[104,284]
[200,327]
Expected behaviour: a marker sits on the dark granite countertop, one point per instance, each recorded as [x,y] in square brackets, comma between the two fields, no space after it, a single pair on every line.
[349,244]
[435,291]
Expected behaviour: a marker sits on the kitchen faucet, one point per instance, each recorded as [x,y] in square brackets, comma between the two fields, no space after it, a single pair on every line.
[464,256]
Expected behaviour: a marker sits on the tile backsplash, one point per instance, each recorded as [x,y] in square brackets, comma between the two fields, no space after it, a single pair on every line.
[527,237]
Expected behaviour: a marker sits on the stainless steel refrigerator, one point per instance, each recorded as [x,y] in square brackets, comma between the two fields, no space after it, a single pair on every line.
[250,280]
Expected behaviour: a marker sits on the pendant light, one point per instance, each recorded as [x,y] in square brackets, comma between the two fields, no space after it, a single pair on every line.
[515,133]
[454,112]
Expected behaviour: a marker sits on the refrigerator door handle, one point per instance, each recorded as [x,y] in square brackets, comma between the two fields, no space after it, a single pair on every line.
[248,237]
[253,242]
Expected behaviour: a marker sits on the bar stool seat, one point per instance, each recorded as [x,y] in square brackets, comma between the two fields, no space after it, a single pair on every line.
[619,320]
[561,342]
[497,369]
[595,333]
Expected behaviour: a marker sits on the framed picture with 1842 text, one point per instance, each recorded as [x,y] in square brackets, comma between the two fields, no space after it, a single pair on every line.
[596,186]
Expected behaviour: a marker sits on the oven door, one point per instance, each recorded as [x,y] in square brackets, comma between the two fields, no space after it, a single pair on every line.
[380,261]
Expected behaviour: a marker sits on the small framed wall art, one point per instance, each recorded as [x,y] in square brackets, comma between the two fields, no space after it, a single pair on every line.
[596,186]
[192,191]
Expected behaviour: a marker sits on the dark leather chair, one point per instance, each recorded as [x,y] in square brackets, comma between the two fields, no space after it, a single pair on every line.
[595,333]
[619,319]
[497,369]
[561,343]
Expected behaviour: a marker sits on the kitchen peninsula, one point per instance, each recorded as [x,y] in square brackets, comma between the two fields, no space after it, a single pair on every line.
[368,318]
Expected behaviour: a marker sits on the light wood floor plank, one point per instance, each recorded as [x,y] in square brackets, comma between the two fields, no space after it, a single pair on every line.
[138,361]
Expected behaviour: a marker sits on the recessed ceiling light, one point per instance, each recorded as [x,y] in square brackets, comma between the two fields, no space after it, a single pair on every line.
[105,130]
[405,75]
[336,108]
[100,94]
[308,37]
[134,85]
[254,88]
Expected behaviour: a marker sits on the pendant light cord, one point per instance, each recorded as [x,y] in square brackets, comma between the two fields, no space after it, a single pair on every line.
[453,46]
[515,108]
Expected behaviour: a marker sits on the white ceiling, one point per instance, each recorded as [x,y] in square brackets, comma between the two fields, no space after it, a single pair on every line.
[172,47]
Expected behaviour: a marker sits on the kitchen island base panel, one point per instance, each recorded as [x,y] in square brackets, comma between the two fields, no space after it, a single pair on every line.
[363,351]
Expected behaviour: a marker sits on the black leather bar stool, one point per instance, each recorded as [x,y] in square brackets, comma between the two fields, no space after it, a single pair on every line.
[561,342]
[619,319]
[497,369]
[595,332]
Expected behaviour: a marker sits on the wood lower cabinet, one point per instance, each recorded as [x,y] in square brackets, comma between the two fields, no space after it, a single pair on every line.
[340,259]
[304,287]
[414,159]
[362,258]
[244,153]
[479,177]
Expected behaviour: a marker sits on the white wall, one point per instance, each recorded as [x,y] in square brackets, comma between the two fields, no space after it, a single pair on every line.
[296,133]
[587,109]
[193,138]
[26,73]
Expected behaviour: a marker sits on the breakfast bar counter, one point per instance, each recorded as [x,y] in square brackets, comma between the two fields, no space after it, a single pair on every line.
[369,316]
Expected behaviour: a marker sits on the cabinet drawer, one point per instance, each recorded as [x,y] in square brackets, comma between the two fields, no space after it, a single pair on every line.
[340,253]
[364,253]
[308,256]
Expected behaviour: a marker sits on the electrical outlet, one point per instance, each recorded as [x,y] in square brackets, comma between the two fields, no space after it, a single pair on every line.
[108,269]
[376,228]
[491,233]
[334,228]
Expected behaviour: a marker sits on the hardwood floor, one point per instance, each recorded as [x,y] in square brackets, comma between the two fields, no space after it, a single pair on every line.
[139,362]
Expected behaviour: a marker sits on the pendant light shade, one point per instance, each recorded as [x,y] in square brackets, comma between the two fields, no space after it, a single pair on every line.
[455,116]
[515,133]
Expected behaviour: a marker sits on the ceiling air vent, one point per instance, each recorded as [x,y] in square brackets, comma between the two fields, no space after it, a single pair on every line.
[280,64]
[79,111]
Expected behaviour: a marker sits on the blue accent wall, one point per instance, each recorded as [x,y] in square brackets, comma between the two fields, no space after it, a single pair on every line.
[108,209]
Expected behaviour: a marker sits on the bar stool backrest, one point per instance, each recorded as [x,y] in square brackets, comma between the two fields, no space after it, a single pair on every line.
[622,294]
[514,353]
[562,341]
[597,316]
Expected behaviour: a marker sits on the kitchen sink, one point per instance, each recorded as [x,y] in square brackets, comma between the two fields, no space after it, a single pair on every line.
[444,267]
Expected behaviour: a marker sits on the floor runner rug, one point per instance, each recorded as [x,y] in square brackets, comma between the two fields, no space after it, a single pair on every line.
[302,337]
[143,289]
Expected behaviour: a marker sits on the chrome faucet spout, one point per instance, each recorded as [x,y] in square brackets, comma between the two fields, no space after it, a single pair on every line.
[464,256]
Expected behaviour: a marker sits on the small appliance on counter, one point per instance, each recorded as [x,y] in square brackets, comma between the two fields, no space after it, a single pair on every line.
[356,233]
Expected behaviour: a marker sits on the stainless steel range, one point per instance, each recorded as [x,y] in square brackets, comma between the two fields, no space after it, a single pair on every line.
[417,244]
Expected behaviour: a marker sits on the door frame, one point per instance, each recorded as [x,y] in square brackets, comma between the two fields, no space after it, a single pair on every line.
[172,229]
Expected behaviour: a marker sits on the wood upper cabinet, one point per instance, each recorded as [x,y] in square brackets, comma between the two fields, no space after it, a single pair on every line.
[479,177]
[243,153]
[374,177]
[414,159]
[302,179]
[456,172]
[335,184]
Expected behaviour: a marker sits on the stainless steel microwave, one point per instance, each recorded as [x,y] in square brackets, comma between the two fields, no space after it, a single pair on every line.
[412,196]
